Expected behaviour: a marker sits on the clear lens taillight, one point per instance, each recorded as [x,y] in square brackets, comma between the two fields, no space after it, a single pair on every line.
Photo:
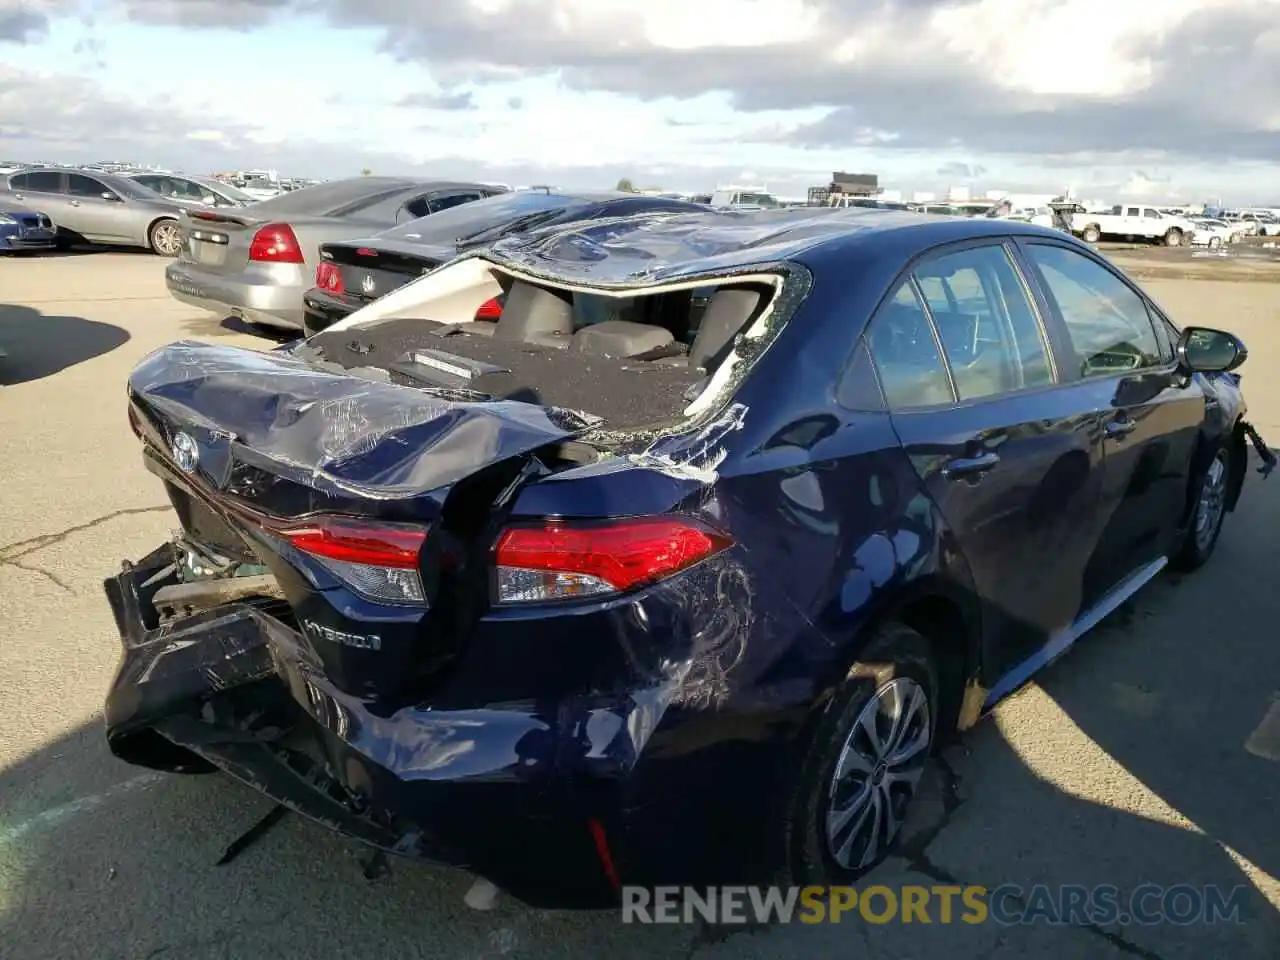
[377,560]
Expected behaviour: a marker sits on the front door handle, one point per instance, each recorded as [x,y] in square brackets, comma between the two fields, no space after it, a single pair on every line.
[1121,427]
[970,466]
[75,203]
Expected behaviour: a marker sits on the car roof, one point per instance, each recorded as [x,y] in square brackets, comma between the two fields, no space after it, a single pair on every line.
[106,178]
[666,247]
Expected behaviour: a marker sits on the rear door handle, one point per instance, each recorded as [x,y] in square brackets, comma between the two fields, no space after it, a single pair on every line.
[970,466]
[1121,427]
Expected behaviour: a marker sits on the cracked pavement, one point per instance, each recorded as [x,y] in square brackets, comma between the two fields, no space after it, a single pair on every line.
[1145,756]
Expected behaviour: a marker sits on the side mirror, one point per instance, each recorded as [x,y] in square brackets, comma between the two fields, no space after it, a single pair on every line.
[1201,350]
[108,195]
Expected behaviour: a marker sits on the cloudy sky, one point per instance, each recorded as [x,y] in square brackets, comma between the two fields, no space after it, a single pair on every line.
[1171,98]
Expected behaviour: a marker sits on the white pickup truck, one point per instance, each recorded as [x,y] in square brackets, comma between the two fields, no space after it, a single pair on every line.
[1127,222]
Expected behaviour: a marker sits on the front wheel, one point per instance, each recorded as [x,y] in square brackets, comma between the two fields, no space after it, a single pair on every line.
[1215,243]
[1091,234]
[165,238]
[1173,238]
[1208,514]
[865,760]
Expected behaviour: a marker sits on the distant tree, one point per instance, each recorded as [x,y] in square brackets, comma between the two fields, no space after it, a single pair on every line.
[365,172]
[625,186]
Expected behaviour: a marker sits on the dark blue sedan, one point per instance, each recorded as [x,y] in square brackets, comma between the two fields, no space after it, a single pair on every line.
[613,589]
[22,229]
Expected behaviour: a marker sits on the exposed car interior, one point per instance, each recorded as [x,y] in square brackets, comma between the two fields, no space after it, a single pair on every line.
[632,360]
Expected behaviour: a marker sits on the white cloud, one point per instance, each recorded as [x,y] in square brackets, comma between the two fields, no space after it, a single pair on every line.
[1179,96]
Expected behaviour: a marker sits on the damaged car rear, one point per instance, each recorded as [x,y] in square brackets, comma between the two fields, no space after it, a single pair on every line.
[648,579]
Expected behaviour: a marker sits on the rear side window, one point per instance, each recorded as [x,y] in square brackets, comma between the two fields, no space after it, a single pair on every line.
[452,200]
[40,182]
[1107,321]
[984,317]
[906,355]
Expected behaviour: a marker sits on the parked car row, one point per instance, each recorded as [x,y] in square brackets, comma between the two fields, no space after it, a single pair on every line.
[577,598]
[74,206]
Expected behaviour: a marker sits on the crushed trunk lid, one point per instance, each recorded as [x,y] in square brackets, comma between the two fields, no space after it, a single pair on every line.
[339,433]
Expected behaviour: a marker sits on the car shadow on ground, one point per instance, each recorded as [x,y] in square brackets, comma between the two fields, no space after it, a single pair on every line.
[37,345]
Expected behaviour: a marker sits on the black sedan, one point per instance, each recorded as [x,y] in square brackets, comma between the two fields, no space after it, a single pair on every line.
[579,598]
[353,273]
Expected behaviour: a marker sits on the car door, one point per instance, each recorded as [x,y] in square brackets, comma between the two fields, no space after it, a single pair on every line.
[1010,456]
[43,191]
[97,217]
[1117,348]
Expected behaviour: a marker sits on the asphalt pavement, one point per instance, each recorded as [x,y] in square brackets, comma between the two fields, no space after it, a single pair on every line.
[1149,755]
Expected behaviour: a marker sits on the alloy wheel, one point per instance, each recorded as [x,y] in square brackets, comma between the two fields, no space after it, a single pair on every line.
[166,238]
[877,774]
[1212,502]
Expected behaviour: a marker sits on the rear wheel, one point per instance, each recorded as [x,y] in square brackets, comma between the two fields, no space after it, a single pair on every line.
[165,238]
[1091,234]
[865,760]
[1215,243]
[1208,514]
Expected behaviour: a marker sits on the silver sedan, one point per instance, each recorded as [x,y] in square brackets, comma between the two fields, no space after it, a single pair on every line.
[254,263]
[97,208]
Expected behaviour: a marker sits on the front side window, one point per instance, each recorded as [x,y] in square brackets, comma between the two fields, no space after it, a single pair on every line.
[906,355]
[1107,321]
[984,317]
[78,185]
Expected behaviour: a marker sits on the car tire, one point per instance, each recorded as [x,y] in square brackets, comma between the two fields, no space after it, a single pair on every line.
[1173,238]
[1091,234]
[1215,243]
[165,238]
[828,833]
[1208,511]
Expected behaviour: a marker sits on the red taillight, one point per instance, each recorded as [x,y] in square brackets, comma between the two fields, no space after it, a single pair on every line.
[276,243]
[379,560]
[558,560]
[490,310]
[366,252]
[329,277]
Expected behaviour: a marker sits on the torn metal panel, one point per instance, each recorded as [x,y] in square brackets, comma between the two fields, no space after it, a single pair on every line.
[333,431]
[697,458]
[661,248]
